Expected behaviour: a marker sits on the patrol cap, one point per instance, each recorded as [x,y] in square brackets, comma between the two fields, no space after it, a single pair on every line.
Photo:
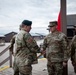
[27,22]
[74,25]
[53,23]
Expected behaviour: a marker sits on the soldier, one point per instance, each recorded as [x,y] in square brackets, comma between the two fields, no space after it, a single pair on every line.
[56,52]
[11,48]
[12,42]
[26,47]
[73,51]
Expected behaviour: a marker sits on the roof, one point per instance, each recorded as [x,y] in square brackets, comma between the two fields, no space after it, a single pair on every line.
[11,33]
[2,36]
[70,26]
[37,34]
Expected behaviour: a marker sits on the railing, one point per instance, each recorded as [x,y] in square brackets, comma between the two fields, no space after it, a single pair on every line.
[8,58]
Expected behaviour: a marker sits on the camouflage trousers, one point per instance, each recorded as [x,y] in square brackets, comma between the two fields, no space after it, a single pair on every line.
[21,69]
[55,68]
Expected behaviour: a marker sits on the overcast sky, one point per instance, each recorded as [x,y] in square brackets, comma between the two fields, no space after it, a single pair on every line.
[40,12]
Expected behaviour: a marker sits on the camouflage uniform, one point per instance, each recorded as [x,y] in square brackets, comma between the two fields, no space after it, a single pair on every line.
[12,44]
[56,52]
[11,48]
[73,52]
[26,49]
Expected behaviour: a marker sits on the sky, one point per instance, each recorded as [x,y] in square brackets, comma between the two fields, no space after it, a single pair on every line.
[40,12]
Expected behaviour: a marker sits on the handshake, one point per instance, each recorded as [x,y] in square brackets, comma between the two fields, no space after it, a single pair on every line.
[43,52]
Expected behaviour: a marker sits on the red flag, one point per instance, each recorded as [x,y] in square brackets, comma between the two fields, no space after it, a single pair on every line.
[59,22]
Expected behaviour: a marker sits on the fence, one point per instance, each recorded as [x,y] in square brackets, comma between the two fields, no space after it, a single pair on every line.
[9,58]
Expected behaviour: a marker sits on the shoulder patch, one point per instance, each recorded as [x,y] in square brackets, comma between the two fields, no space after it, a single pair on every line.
[30,40]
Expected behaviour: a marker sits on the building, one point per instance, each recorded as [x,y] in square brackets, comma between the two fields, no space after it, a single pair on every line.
[38,36]
[9,36]
[71,21]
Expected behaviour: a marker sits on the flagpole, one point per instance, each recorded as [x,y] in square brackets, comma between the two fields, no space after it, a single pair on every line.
[63,22]
[63,16]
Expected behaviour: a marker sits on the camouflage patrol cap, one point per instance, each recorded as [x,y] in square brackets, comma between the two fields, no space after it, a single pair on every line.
[74,25]
[53,23]
[27,22]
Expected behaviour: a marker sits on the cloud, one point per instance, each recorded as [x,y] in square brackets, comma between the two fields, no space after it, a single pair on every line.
[12,13]
[71,6]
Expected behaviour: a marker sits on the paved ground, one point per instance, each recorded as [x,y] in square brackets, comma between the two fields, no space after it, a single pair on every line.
[38,69]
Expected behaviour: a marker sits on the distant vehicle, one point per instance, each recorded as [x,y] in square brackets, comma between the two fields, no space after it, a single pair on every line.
[2,43]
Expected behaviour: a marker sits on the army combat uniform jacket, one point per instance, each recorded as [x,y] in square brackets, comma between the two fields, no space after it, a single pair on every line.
[73,52]
[73,49]
[56,44]
[26,47]
[12,42]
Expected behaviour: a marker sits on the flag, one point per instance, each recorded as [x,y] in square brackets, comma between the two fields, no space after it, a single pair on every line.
[59,22]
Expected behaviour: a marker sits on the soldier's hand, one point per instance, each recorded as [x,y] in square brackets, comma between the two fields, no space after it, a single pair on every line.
[43,52]
[64,64]
[73,63]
